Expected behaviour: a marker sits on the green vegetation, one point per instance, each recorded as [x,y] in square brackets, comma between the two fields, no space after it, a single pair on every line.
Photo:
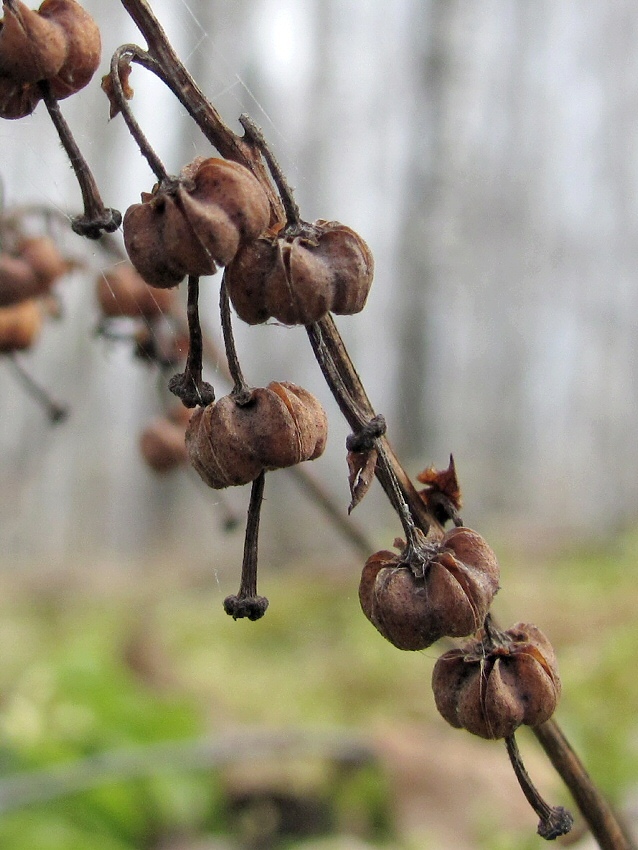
[157,663]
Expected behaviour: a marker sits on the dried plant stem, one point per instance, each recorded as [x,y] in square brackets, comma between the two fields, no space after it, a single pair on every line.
[189,385]
[121,58]
[55,411]
[293,217]
[241,391]
[348,391]
[554,820]
[167,66]
[247,604]
[97,218]
[603,822]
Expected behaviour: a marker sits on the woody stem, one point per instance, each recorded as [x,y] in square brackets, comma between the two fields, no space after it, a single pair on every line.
[97,218]
[241,390]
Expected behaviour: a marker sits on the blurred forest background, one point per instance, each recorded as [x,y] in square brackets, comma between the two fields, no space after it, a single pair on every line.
[488,153]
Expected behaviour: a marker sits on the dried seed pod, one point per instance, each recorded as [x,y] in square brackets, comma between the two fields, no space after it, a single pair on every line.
[298,278]
[32,47]
[20,325]
[17,280]
[17,100]
[122,292]
[230,443]
[448,592]
[45,259]
[496,683]
[194,223]
[162,444]
[83,46]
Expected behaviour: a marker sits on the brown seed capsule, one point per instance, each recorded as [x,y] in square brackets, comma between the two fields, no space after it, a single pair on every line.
[231,443]
[83,46]
[196,222]
[32,48]
[122,292]
[162,444]
[20,325]
[298,278]
[17,280]
[17,100]
[496,683]
[45,259]
[448,593]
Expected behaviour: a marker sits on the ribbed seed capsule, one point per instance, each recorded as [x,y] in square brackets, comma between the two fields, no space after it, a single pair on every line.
[448,594]
[299,278]
[32,47]
[196,222]
[83,46]
[231,444]
[498,682]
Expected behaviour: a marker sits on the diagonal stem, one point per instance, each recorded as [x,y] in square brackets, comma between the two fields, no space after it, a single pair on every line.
[97,218]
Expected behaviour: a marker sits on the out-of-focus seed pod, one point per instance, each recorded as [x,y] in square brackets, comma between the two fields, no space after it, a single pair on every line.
[44,257]
[31,273]
[196,222]
[298,278]
[162,444]
[32,48]
[122,292]
[83,46]
[20,326]
[231,444]
[448,595]
[17,280]
[495,684]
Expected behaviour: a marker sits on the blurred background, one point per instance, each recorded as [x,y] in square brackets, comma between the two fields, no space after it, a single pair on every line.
[487,153]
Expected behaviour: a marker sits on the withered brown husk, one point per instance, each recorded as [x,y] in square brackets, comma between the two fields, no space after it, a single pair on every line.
[231,444]
[300,277]
[32,48]
[449,594]
[194,223]
[83,46]
[496,683]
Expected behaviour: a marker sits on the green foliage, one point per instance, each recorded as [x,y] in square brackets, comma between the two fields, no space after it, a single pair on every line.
[82,675]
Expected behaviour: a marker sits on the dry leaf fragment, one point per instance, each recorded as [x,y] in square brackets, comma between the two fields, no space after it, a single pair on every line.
[361,466]
[442,494]
[108,89]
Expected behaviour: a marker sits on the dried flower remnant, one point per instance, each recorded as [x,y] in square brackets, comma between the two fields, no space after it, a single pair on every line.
[446,592]
[299,276]
[194,223]
[231,443]
[442,495]
[496,683]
